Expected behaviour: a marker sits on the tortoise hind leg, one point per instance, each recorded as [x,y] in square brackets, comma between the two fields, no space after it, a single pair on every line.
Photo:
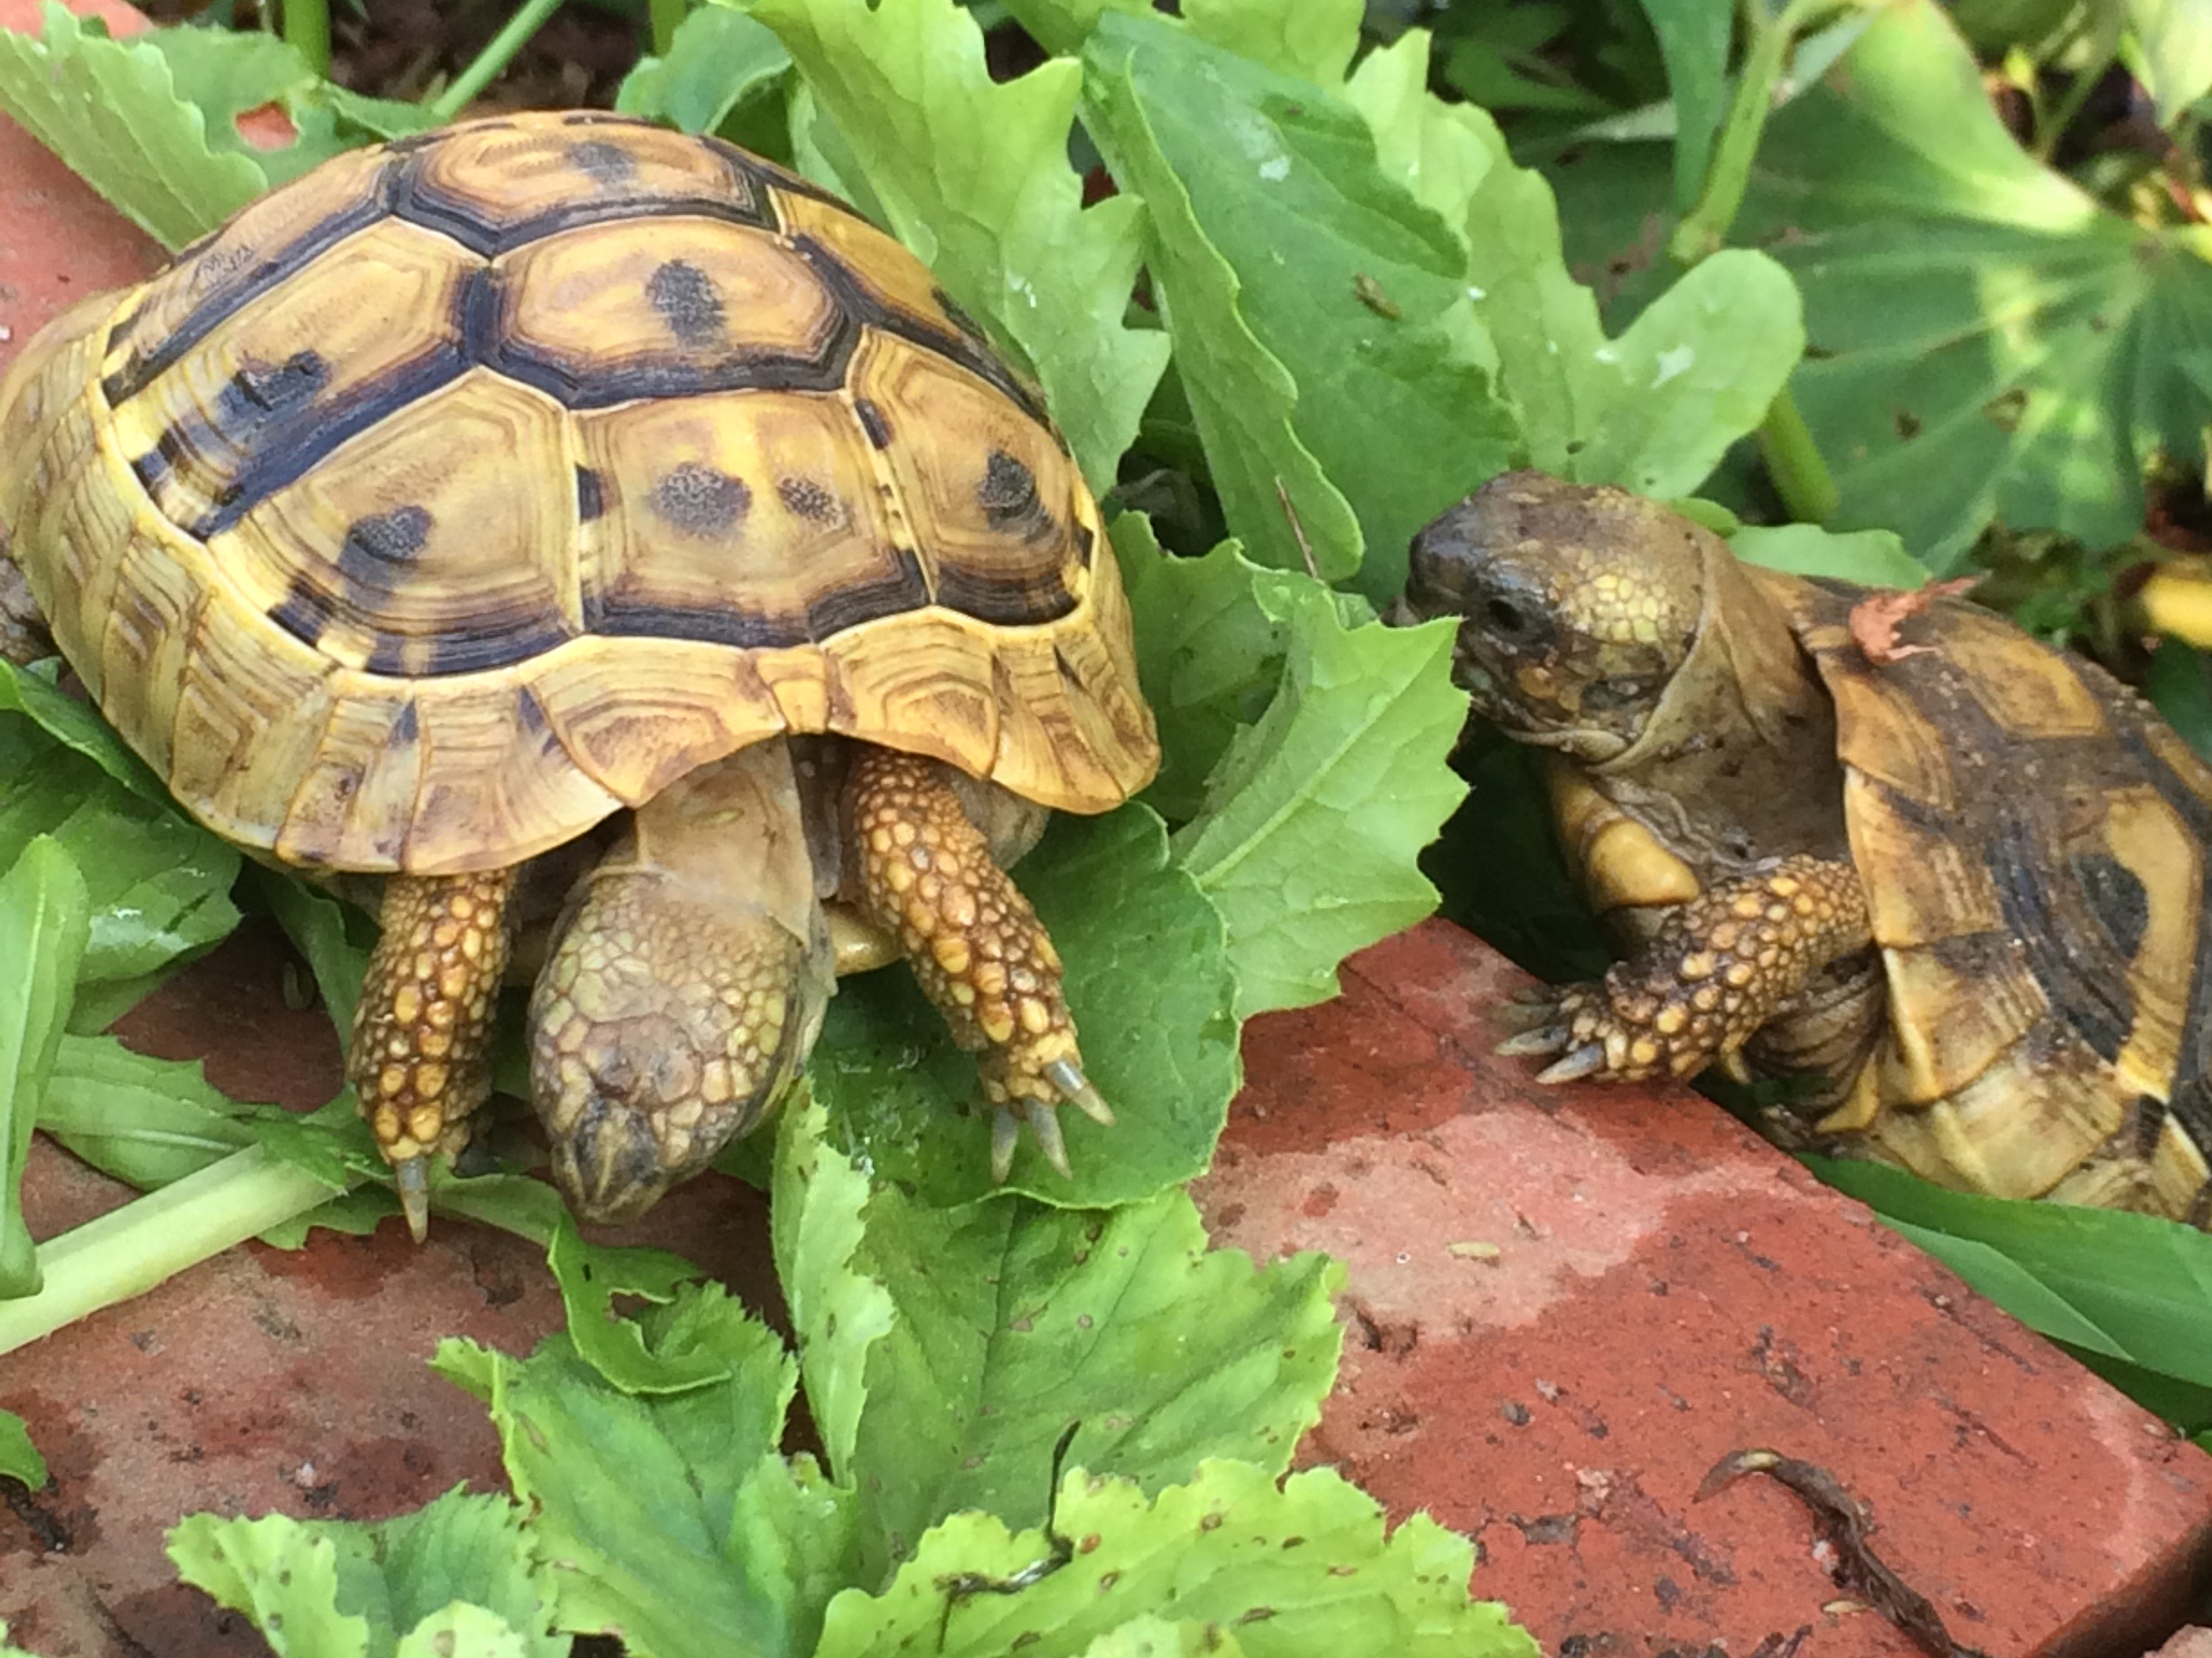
[23,637]
[926,876]
[1720,967]
[420,1060]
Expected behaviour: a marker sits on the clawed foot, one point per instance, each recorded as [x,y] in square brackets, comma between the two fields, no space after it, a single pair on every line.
[1611,1031]
[1043,1117]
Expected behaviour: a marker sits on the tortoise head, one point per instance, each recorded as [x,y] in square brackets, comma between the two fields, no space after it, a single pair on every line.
[1577,605]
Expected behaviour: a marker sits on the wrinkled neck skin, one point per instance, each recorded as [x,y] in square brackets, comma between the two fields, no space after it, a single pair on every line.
[1737,761]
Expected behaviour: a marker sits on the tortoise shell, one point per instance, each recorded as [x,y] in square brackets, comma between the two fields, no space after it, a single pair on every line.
[2032,839]
[475,485]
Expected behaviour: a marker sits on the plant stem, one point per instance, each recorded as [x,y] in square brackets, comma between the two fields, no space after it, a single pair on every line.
[2104,47]
[128,1250]
[306,28]
[668,17]
[488,63]
[1794,463]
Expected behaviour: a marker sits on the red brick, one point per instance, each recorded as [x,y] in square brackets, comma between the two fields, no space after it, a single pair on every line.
[1667,1289]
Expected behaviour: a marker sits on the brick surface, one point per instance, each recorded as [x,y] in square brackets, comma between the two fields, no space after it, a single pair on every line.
[1567,1304]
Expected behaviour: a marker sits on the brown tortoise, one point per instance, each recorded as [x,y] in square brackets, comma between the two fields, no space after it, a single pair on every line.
[1960,889]
[477,486]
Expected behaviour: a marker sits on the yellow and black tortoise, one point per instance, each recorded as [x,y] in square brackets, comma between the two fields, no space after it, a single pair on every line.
[477,486]
[1962,889]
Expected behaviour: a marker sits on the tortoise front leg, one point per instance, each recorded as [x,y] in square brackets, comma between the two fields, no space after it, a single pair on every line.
[420,1060]
[1717,968]
[926,876]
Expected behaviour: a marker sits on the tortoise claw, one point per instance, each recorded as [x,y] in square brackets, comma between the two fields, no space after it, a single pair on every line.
[1044,1123]
[411,1176]
[1526,1011]
[1584,1061]
[1548,1039]
[1067,1076]
[1006,1133]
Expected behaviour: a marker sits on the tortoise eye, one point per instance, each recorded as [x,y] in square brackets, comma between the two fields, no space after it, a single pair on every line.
[1506,617]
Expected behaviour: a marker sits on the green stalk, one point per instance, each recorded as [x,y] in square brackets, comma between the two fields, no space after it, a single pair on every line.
[488,63]
[1706,227]
[1793,461]
[2104,47]
[128,1250]
[668,17]
[306,28]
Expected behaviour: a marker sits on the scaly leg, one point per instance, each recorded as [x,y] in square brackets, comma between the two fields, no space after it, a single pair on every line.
[23,637]
[420,1060]
[1717,970]
[926,876]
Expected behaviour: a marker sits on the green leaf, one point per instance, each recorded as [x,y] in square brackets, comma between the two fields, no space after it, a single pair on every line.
[590,1276]
[19,1458]
[45,922]
[1313,40]
[2179,682]
[1150,984]
[146,1121]
[719,59]
[1871,557]
[1653,410]
[2172,52]
[110,109]
[1321,314]
[973,175]
[334,938]
[1693,39]
[1989,344]
[671,1519]
[1060,26]
[1294,1571]
[2131,1287]
[1209,655]
[226,72]
[463,1631]
[34,691]
[1014,1320]
[838,1312]
[1317,814]
[323,1589]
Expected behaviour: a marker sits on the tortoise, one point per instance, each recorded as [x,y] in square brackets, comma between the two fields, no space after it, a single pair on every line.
[478,487]
[1953,889]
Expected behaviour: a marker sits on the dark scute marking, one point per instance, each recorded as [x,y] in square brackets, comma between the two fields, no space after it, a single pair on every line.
[1084,540]
[1008,493]
[2192,1107]
[808,499]
[952,308]
[287,449]
[479,315]
[472,650]
[258,389]
[1001,599]
[620,616]
[603,162]
[2117,898]
[421,203]
[687,301]
[408,726]
[874,422]
[530,713]
[236,288]
[701,502]
[388,656]
[383,544]
[153,466]
[2150,1123]
[303,611]
[849,605]
[591,497]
